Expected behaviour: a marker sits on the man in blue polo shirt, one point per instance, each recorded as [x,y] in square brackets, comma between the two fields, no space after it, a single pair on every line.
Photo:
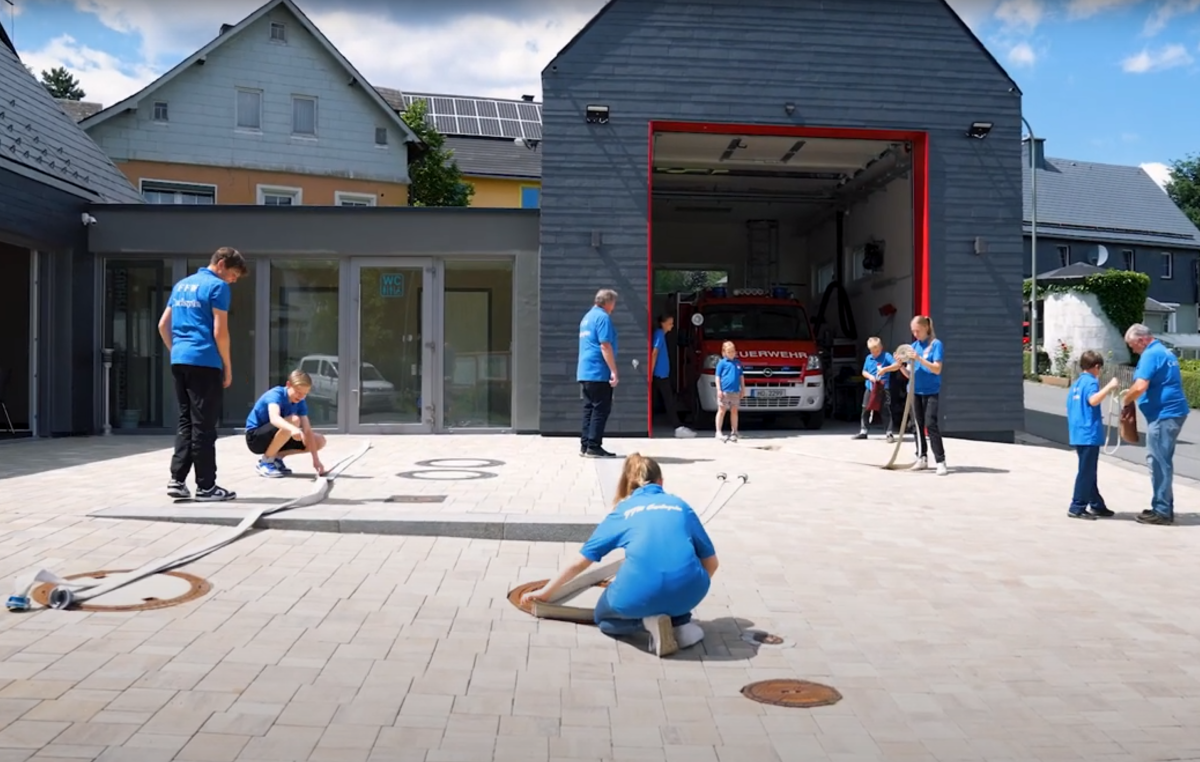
[1158,389]
[195,329]
[597,372]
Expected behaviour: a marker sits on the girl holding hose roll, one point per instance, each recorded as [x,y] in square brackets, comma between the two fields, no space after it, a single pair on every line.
[927,385]
[669,562]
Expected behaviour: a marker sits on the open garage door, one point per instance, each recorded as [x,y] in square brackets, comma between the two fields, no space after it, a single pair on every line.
[751,236]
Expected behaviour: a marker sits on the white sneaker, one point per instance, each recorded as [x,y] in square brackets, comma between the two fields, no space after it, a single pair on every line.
[941,469]
[662,635]
[688,635]
[683,432]
[920,465]
[719,437]
[733,437]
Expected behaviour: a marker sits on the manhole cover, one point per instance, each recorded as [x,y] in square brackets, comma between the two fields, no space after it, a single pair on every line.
[472,463]
[416,499]
[514,595]
[791,693]
[158,591]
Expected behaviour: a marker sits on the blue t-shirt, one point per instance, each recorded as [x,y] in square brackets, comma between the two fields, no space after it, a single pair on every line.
[260,414]
[664,542]
[1164,398]
[729,374]
[595,329]
[873,364]
[192,303]
[1084,423]
[926,381]
[662,366]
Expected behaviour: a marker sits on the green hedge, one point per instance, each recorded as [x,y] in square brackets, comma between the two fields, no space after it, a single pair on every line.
[1191,387]
[1043,364]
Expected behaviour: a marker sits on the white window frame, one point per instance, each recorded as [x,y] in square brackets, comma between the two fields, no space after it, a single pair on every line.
[282,27]
[166,107]
[368,199]
[381,131]
[1130,261]
[237,108]
[1064,254]
[315,106]
[1168,259]
[262,191]
[142,181]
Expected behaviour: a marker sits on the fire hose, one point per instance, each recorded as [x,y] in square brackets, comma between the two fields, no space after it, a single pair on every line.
[553,608]
[66,592]
[905,354]
[1126,426]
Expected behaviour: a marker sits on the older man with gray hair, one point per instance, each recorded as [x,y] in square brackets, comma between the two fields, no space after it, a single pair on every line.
[1158,390]
[597,372]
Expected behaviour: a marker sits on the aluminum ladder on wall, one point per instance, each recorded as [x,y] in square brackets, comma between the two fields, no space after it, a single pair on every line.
[763,261]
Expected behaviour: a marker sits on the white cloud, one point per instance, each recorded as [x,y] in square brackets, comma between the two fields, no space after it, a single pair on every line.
[1022,54]
[1021,13]
[1166,57]
[1167,10]
[1082,9]
[103,77]
[1159,172]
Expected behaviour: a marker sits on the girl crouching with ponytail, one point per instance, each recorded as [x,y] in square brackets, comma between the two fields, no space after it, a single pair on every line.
[669,561]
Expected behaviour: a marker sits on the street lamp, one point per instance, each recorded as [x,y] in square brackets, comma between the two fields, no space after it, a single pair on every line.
[1033,310]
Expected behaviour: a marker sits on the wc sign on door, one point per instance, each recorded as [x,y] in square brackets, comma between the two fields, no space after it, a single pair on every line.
[391,285]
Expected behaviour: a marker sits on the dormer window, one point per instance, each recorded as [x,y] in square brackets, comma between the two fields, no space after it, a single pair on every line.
[278,32]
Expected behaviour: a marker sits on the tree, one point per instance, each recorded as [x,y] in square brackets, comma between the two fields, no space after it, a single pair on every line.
[435,179]
[62,84]
[1184,186]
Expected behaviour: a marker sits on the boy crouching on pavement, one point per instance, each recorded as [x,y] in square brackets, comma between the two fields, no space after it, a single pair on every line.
[278,427]
[1086,428]
[877,359]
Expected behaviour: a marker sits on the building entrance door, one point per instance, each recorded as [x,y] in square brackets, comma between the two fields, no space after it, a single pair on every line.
[393,344]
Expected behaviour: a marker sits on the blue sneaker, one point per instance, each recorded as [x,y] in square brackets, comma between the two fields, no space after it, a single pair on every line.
[269,469]
[283,469]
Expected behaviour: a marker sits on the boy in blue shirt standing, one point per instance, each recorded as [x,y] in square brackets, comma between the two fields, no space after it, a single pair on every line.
[731,386]
[876,373]
[660,364]
[1086,430]
[278,426]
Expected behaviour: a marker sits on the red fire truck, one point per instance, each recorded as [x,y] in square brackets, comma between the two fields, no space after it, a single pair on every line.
[775,343]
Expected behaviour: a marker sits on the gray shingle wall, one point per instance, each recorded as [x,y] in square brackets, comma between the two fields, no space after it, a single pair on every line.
[900,64]
[36,133]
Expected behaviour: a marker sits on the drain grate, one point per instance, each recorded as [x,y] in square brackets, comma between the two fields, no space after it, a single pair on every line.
[197,587]
[416,499]
[791,693]
[764,638]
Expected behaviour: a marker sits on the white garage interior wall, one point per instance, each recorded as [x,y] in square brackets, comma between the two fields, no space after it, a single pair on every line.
[707,195]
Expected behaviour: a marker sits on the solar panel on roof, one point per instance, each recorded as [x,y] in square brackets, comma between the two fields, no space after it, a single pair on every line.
[496,119]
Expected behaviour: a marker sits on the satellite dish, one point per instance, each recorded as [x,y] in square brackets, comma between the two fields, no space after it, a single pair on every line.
[697,319]
[1101,256]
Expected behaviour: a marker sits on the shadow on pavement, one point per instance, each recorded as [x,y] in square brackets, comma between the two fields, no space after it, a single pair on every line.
[722,641]
[1181,519]
[34,456]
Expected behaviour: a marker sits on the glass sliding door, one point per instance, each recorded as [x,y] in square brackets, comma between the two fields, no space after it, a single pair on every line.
[243,392]
[304,323]
[392,347]
[477,324]
[141,392]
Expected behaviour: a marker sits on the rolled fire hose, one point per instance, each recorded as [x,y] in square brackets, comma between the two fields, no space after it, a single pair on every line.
[905,353]
[68,592]
[553,608]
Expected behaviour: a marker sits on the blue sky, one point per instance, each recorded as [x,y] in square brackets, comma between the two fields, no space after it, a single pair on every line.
[1104,80]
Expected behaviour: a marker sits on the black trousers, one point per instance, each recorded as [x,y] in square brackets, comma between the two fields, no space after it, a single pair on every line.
[200,392]
[925,414]
[885,411]
[662,388]
[597,405]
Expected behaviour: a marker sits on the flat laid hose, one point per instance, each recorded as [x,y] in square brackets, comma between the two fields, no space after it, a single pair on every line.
[552,609]
[67,592]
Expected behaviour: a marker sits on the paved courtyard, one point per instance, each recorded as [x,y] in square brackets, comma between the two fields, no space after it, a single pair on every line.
[962,618]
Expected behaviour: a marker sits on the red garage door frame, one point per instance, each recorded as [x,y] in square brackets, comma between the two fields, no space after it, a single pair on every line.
[920,147]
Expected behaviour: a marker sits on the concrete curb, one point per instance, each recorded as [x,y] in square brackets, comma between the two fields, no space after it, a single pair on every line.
[475,526]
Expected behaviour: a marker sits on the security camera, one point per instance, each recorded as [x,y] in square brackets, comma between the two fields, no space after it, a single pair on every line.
[88,220]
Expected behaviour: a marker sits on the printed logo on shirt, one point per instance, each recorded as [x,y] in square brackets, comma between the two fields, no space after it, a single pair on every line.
[652,507]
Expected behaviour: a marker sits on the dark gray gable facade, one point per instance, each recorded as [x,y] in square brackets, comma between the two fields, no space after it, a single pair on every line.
[882,64]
